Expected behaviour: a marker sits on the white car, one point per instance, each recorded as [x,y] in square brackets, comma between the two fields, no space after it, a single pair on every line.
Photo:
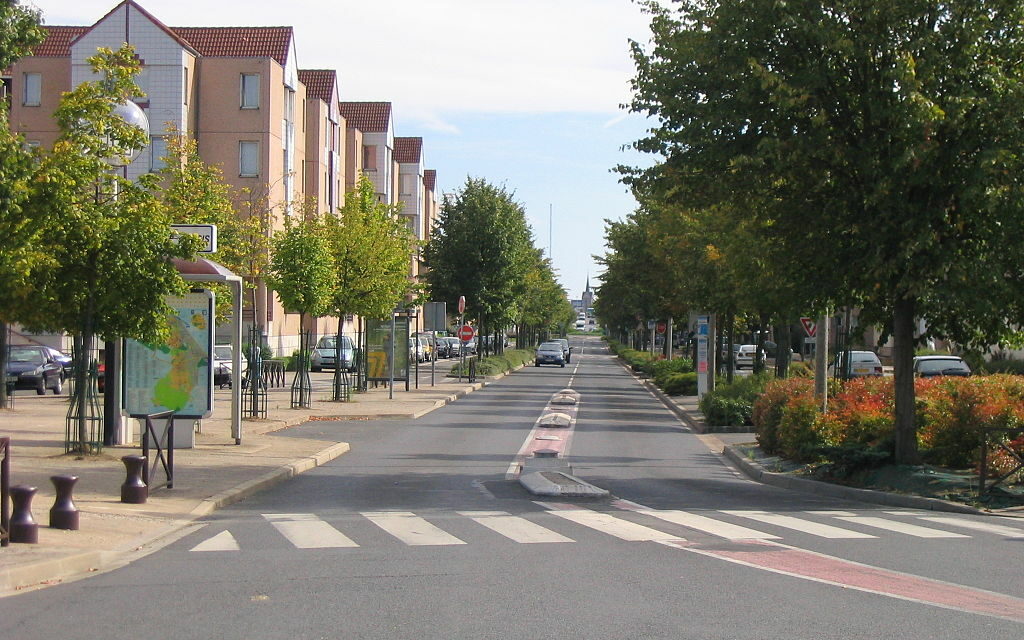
[745,356]
[222,365]
[862,364]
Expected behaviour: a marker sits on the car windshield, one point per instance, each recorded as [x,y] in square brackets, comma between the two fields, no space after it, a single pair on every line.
[329,342]
[31,356]
[550,346]
[941,364]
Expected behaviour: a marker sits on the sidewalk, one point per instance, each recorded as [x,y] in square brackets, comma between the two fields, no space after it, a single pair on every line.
[213,474]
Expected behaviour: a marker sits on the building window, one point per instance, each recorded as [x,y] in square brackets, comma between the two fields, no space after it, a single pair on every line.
[369,158]
[409,184]
[33,89]
[250,91]
[157,154]
[184,86]
[248,158]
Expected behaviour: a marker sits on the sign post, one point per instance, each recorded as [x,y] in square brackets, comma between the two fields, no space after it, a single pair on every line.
[703,371]
[466,334]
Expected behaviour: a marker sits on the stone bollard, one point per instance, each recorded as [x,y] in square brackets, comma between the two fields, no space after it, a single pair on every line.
[64,514]
[134,490]
[23,527]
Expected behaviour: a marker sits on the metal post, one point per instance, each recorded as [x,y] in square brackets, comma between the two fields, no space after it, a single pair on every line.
[391,363]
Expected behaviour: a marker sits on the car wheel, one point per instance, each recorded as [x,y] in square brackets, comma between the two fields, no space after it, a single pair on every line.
[562,365]
[58,386]
[316,369]
[41,387]
[536,364]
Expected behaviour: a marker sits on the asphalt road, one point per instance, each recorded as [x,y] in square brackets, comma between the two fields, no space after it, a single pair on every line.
[419,532]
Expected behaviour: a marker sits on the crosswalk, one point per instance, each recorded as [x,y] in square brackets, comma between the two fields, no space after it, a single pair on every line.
[623,520]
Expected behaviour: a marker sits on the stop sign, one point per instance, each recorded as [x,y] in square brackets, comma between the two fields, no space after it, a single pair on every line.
[466,333]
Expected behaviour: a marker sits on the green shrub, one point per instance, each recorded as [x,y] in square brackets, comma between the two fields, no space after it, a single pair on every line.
[680,384]
[847,460]
[798,438]
[1014,367]
[496,364]
[725,412]
[661,370]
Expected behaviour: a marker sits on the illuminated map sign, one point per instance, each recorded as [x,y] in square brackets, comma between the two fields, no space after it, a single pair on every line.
[176,375]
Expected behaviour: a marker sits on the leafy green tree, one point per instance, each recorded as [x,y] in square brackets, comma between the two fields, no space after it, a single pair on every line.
[372,251]
[480,248]
[19,32]
[109,238]
[881,144]
[543,307]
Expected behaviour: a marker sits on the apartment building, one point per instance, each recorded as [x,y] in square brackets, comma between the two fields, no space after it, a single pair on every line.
[370,149]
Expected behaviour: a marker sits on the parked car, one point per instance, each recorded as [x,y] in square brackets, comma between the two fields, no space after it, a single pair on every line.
[63,358]
[745,356]
[929,366]
[862,364]
[326,351]
[566,349]
[222,365]
[550,353]
[30,367]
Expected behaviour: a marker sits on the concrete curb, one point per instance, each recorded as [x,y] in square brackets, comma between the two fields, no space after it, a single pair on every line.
[71,567]
[756,472]
[540,483]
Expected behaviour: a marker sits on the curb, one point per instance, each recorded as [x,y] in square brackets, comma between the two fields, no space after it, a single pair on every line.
[757,473]
[71,567]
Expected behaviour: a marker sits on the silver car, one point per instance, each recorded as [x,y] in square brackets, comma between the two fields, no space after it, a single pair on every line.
[326,351]
[550,353]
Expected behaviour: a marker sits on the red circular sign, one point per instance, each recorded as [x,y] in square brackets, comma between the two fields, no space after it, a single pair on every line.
[662,327]
[462,304]
[466,333]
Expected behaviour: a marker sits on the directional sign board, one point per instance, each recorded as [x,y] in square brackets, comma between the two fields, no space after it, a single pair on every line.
[466,333]
[810,328]
[206,232]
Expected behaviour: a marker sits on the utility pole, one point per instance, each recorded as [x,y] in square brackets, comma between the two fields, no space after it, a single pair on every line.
[821,361]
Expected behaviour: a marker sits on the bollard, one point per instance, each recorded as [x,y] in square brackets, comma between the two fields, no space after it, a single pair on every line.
[23,527]
[64,514]
[134,490]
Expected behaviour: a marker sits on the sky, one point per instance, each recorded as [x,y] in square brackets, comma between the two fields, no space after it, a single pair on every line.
[525,94]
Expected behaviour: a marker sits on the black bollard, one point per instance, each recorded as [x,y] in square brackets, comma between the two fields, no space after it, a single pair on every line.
[23,527]
[134,490]
[64,514]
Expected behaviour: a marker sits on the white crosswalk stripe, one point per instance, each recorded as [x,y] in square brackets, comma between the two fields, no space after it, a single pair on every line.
[605,523]
[708,525]
[799,524]
[309,531]
[410,528]
[223,541]
[306,531]
[514,527]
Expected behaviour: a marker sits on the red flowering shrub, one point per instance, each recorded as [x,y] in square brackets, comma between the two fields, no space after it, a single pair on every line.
[862,412]
[767,410]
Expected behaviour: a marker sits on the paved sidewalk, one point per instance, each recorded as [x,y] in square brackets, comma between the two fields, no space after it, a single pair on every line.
[213,474]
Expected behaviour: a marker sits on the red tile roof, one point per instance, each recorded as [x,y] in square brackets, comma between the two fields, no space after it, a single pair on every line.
[239,42]
[368,117]
[408,149]
[430,179]
[58,41]
[319,83]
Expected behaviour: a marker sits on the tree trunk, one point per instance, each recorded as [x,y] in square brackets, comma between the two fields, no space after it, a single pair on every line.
[759,354]
[338,395]
[903,381]
[3,364]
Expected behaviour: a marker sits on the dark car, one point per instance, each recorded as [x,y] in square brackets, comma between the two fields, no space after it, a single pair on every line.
[929,366]
[34,368]
[61,357]
[550,353]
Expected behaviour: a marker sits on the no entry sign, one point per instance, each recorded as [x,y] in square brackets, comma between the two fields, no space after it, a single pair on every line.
[466,333]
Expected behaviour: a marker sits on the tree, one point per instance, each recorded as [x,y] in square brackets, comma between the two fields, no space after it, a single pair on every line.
[543,307]
[19,32]
[372,251]
[480,249]
[108,237]
[883,138]
[301,271]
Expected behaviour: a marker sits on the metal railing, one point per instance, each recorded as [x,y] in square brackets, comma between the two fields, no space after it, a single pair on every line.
[164,451]
[1018,459]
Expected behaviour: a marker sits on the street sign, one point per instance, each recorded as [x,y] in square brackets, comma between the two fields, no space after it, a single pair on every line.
[661,328]
[206,232]
[466,333]
[810,328]
[462,305]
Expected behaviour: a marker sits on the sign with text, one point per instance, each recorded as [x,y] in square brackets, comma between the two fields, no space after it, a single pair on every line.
[206,232]
[702,355]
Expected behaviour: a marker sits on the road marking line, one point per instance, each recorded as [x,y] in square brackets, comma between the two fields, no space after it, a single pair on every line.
[797,524]
[901,527]
[306,531]
[411,529]
[223,541]
[708,525]
[515,528]
[622,529]
[977,526]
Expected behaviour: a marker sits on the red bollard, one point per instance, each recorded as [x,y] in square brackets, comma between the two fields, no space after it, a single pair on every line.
[134,490]
[64,514]
[23,527]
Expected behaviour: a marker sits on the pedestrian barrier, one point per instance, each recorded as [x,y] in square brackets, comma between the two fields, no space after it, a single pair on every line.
[5,490]
[273,373]
[1002,447]
[23,527]
[167,447]
[63,513]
